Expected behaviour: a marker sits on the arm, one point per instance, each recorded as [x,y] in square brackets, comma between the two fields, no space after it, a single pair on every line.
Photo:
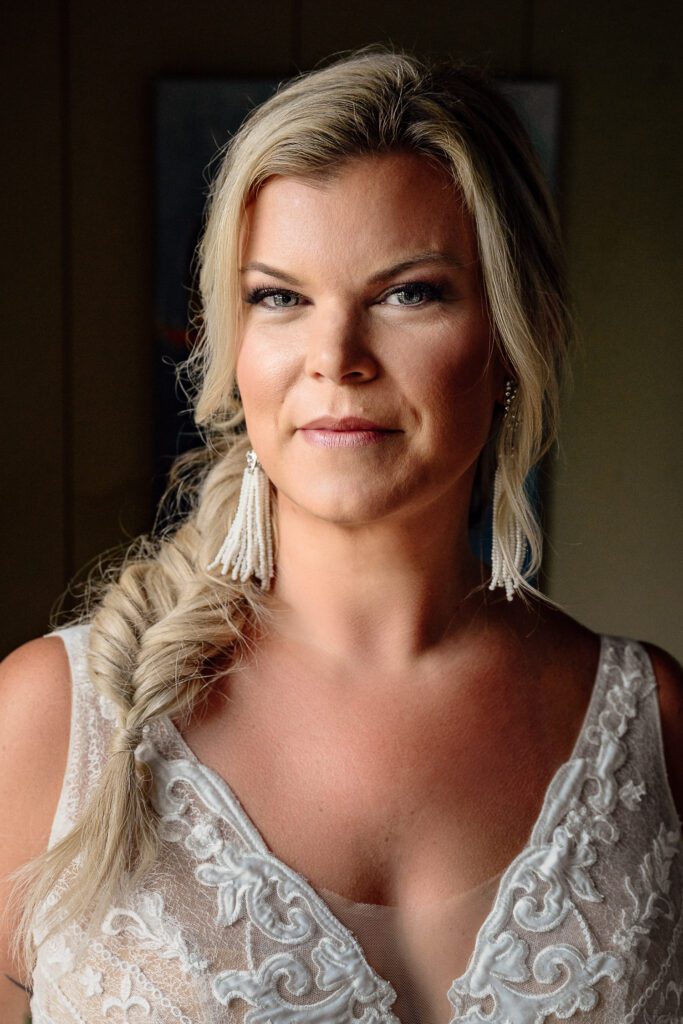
[669,675]
[35,706]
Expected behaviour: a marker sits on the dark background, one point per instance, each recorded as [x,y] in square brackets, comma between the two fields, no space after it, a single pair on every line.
[80,360]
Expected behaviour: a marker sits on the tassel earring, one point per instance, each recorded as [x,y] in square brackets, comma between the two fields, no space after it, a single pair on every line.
[516,545]
[248,546]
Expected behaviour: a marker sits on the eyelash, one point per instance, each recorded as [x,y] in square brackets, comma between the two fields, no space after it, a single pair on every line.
[433,292]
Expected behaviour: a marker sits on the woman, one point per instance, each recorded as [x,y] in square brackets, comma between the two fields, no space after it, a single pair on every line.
[324,765]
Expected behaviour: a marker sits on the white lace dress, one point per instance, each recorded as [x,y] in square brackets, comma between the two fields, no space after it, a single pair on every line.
[586,923]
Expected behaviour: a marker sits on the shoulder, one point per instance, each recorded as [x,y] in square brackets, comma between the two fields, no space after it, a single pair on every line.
[563,648]
[669,676]
[35,712]
[36,676]
[568,642]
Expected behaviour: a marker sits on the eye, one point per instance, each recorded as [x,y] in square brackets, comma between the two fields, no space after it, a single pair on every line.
[416,293]
[282,298]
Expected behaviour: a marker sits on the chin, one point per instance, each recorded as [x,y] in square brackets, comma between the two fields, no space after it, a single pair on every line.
[339,505]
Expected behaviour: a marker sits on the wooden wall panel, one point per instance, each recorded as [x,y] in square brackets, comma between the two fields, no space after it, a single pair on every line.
[32,506]
[115,58]
[78,259]
[488,31]
[616,544]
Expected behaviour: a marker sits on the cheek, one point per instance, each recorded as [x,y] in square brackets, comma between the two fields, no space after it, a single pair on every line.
[263,375]
[455,377]
[467,355]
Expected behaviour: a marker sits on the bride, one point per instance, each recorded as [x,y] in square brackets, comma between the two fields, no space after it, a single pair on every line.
[309,757]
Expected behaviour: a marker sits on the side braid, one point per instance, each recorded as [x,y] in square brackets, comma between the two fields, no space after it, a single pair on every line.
[159,637]
[161,629]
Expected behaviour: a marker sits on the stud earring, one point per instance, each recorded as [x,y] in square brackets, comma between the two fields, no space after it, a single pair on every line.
[248,546]
[505,559]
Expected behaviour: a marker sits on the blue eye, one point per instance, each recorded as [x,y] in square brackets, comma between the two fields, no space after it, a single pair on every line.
[279,295]
[416,293]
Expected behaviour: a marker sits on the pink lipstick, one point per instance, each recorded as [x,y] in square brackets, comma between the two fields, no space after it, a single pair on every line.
[346,432]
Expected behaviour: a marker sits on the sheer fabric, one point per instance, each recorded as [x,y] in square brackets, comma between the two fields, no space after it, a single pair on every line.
[586,922]
[419,950]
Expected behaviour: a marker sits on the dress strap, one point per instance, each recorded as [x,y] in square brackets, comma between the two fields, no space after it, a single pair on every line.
[92,725]
[649,746]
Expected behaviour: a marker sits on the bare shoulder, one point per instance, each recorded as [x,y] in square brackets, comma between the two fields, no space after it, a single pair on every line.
[35,711]
[566,648]
[669,675]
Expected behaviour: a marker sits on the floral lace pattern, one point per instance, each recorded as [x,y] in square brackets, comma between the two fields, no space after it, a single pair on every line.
[252,884]
[669,1009]
[650,896]
[153,931]
[553,879]
[587,921]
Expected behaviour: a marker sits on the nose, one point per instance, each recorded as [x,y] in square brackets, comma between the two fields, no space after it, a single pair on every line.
[338,348]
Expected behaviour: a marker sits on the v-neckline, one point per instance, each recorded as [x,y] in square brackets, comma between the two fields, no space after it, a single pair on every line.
[252,834]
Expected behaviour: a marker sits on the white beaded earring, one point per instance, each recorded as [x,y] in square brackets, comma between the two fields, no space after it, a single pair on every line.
[248,546]
[501,567]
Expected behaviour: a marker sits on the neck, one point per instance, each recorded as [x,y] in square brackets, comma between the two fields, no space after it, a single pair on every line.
[378,594]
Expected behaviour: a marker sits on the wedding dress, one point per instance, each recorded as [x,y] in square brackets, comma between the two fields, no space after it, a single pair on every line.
[586,923]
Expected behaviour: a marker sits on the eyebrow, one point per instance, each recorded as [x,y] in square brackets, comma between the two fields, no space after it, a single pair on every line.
[431,256]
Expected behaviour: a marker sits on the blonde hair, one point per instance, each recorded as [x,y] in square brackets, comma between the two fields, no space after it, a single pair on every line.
[165,627]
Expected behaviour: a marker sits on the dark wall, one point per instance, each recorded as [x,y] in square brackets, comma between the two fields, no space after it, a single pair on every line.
[78,268]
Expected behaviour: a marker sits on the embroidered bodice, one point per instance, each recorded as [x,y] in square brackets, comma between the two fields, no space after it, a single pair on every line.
[586,922]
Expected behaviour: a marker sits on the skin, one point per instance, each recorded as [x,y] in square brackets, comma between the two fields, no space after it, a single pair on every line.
[384,660]
[380,527]
[412,722]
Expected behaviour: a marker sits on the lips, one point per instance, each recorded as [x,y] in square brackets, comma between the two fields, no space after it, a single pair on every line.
[344,424]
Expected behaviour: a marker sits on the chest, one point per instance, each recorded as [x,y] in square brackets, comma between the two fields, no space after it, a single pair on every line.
[404,791]
[588,923]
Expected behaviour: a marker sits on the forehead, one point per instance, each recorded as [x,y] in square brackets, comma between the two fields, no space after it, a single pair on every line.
[371,208]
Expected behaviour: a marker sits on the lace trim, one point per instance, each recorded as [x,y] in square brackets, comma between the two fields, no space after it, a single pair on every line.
[130,972]
[672,987]
[317,972]
[649,896]
[154,930]
[553,874]
[548,881]
[41,1015]
[246,881]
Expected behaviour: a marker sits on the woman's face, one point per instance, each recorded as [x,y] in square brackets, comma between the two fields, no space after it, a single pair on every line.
[362,298]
